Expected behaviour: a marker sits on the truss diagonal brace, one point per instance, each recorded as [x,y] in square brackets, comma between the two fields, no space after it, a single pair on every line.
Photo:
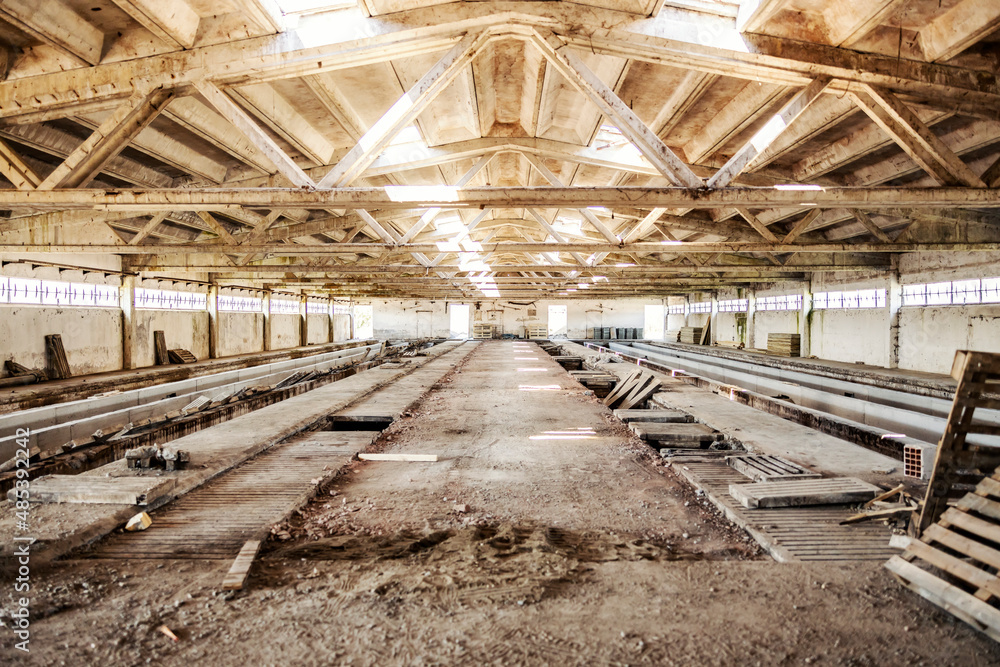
[567,63]
[915,138]
[766,135]
[89,158]
[245,124]
[404,111]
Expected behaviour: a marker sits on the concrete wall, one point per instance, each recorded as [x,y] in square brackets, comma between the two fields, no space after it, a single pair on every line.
[341,327]
[929,336]
[92,336]
[284,331]
[319,328]
[240,333]
[851,335]
[185,330]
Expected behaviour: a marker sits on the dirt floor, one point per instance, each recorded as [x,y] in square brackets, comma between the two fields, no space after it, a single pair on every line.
[545,534]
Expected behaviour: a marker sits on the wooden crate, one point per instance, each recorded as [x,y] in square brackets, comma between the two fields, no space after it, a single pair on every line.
[482,331]
[784,344]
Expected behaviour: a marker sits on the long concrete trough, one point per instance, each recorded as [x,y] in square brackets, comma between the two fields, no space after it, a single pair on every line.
[917,416]
[54,425]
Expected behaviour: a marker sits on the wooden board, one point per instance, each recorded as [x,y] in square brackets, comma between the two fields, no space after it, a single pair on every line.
[98,490]
[240,570]
[690,335]
[675,435]
[622,388]
[160,348]
[764,467]
[799,493]
[660,416]
[398,457]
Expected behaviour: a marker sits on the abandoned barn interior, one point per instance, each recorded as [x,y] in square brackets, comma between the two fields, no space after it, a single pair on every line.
[386,332]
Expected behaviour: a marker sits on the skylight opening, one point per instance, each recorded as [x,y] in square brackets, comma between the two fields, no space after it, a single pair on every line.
[312,6]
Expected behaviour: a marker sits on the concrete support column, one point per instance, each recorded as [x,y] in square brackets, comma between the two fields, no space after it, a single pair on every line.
[329,311]
[213,322]
[893,304]
[126,299]
[805,319]
[687,310]
[751,309]
[713,319]
[303,320]
[267,321]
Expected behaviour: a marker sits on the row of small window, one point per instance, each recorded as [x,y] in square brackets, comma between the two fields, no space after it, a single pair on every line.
[675,310]
[784,302]
[866,298]
[32,291]
[700,307]
[958,292]
[734,305]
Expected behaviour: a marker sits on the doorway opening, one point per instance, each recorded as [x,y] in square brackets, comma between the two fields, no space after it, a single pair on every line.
[558,322]
[653,327]
[459,326]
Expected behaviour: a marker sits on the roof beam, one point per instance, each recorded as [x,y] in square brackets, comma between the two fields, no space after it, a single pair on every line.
[173,21]
[107,141]
[579,75]
[404,111]
[959,28]
[294,250]
[915,138]
[753,14]
[758,226]
[870,225]
[272,109]
[409,197]
[148,228]
[768,134]
[242,121]
[735,117]
[56,24]
[554,180]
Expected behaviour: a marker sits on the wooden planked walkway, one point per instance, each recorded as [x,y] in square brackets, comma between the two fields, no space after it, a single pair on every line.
[215,520]
[791,534]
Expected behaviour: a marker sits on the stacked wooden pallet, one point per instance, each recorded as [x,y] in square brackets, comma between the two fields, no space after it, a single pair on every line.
[482,331]
[691,335]
[181,357]
[784,344]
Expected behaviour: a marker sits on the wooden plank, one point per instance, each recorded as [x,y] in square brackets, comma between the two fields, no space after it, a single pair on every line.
[160,348]
[984,506]
[642,392]
[954,566]
[952,599]
[240,570]
[795,493]
[959,519]
[398,457]
[981,552]
[98,490]
[622,387]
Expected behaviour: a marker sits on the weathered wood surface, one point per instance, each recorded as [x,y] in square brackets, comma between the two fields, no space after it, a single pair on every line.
[795,493]
[674,434]
[98,490]
[240,570]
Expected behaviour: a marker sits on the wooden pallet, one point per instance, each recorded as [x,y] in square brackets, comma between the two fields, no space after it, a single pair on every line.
[799,493]
[962,547]
[181,357]
[56,354]
[978,376]
[632,391]
[482,331]
[764,467]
